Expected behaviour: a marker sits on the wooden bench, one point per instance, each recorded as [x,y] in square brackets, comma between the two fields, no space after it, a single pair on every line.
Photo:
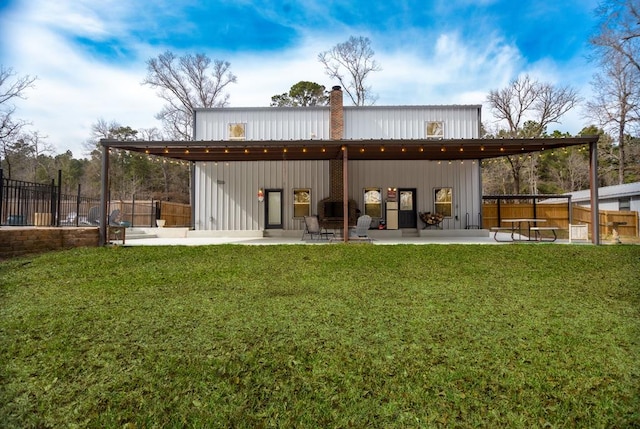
[538,229]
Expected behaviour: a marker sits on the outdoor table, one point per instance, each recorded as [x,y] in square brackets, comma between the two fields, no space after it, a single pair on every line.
[516,225]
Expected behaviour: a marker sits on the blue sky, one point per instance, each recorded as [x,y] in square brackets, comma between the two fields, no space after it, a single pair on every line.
[89,56]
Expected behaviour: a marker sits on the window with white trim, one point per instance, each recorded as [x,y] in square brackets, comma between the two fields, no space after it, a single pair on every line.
[434,130]
[443,201]
[237,131]
[624,204]
[301,202]
[373,202]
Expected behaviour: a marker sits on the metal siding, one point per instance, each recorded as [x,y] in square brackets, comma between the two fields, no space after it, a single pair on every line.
[408,122]
[424,176]
[264,124]
[233,205]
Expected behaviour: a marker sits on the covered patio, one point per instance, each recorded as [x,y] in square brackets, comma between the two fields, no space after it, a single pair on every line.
[346,150]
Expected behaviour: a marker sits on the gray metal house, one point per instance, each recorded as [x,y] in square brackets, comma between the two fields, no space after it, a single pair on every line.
[226,192]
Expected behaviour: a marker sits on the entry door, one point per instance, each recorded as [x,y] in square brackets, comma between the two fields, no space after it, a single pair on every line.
[407,216]
[273,208]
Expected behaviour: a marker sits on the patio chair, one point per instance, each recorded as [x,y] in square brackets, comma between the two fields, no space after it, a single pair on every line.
[93,217]
[312,228]
[361,231]
[70,220]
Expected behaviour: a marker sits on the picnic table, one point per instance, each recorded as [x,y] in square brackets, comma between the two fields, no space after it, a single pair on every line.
[530,226]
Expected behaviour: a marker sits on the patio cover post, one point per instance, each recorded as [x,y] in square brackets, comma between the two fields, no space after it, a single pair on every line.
[593,178]
[345,193]
[104,190]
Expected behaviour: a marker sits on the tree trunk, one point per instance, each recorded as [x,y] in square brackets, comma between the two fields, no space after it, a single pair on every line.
[621,153]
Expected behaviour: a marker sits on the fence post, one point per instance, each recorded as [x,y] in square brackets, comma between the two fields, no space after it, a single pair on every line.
[78,206]
[151,214]
[59,205]
[133,209]
[52,202]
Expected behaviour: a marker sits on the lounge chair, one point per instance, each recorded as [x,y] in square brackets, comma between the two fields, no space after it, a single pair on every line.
[312,228]
[361,231]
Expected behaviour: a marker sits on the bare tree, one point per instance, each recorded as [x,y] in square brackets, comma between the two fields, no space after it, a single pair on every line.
[186,83]
[528,107]
[573,174]
[616,102]
[9,90]
[618,32]
[10,127]
[351,63]
[526,100]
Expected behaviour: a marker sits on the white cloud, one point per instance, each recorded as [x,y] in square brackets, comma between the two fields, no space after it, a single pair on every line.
[75,89]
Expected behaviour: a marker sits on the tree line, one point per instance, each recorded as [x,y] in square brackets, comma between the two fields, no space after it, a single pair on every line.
[524,108]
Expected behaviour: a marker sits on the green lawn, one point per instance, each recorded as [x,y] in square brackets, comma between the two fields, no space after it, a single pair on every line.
[335,336]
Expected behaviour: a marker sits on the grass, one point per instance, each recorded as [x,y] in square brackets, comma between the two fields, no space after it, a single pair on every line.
[337,336]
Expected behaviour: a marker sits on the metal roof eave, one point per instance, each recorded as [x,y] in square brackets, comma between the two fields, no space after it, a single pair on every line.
[357,149]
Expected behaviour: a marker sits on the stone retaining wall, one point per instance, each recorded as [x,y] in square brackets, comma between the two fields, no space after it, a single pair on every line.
[18,241]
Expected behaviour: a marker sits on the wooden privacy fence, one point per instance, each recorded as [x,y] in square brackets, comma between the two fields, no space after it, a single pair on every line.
[145,212]
[555,214]
[626,222]
[175,214]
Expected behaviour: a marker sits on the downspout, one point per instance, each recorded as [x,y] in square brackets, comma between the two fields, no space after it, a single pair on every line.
[192,177]
[104,190]
[480,187]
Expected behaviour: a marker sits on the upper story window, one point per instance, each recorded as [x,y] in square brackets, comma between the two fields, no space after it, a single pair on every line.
[237,131]
[435,129]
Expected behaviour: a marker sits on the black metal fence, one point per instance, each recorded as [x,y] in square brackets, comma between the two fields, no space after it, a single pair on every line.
[36,204]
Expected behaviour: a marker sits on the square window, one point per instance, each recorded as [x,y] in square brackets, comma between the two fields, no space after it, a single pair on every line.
[624,204]
[237,131]
[435,129]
